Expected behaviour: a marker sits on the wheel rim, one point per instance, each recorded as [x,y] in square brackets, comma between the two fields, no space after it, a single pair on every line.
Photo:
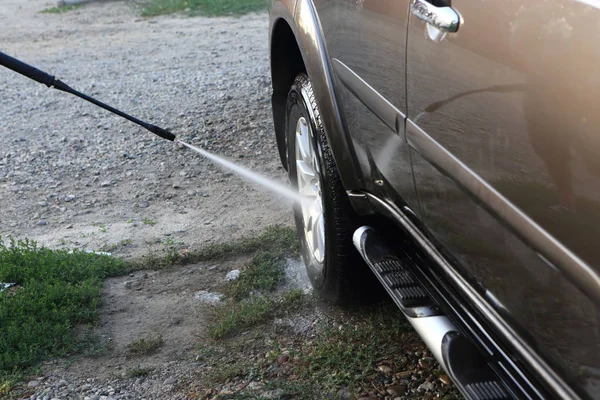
[309,186]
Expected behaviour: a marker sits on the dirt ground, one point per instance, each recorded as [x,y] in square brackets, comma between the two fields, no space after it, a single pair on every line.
[74,175]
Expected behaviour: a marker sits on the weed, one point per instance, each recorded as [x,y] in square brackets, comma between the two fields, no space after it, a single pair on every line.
[347,354]
[234,317]
[115,246]
[276,239]
[58,290]
[293,301]
[6,386]
[203,7]
[169,241]
[138,372]
[130,221]
[146,346]
[263,273]
[60,10]
[228,372]
[148,221]
[205,352]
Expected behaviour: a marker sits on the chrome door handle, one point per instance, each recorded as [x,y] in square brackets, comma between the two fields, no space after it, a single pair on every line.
[443,18]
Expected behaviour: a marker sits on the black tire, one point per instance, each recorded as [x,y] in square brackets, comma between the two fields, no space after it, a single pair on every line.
[337,278]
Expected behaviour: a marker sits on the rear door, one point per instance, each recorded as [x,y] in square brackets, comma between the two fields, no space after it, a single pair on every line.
[366,41]
[504,131]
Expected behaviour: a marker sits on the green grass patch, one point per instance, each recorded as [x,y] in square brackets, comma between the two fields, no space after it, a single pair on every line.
[60,10]
[146,346]
[58,290]
[211,8]
[234,317]
[138,372]
[348,353]
[262,274]
[275,239]
[148,221]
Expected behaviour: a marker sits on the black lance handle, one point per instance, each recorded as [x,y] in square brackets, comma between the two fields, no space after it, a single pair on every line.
[50,81]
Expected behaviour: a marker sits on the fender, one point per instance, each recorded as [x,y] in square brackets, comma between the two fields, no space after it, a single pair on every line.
[302,18]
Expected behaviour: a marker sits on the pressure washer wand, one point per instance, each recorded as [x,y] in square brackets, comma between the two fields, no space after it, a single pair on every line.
[50,81]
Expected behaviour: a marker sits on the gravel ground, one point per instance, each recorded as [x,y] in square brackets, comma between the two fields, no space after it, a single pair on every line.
[74,175]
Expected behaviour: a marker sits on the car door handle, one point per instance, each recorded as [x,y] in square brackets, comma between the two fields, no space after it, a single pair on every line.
[443,18]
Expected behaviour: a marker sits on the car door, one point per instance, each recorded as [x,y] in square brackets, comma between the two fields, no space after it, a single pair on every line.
[366,42]
[503,127]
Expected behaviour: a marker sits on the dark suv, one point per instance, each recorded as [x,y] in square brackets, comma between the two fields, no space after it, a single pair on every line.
[452,147]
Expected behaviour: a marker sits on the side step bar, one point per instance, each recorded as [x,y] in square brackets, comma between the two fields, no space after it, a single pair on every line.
[455,352]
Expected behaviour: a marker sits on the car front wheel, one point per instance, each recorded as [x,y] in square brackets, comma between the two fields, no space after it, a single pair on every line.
[325,220]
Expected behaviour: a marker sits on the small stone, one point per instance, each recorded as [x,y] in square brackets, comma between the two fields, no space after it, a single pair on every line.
[43,203]
[283,358]
[404,374]
[425,362]
[170,381]
[85,387]
[426,386]
[128,285]
[385,369]
[33,384]
[272,394]
[41,222]
[47,397]
[368,398]
[232,275]
[176,185]
[208,297]
[344,394]
[255,385]
[105,184]
[445,379]
[62,383]
[396,390]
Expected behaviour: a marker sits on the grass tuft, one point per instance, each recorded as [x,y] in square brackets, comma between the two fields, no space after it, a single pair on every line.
[262,274]
[138,372]
[211,8]
[60,10]
[57,291]
[234,317]
[277,239]
[146,346]
[343,355]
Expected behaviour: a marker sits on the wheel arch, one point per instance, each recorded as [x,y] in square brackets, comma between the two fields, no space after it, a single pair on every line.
[297,45]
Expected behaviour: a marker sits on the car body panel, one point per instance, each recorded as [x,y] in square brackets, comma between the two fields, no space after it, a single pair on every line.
[502,124]
[366,40]
[307,30]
